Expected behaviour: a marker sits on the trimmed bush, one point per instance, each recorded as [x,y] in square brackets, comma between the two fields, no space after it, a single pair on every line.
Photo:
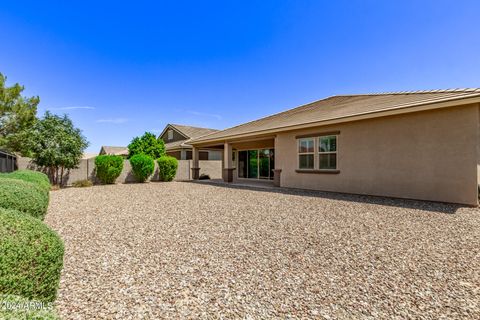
[31,257]
[142,167]
[23,196]
[16,307]
[108,168]
[31,176]
[82,183]
[167,168]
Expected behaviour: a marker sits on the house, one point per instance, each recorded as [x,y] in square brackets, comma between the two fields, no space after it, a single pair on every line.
[419,145]
[177,142]
[118,151]
[89,155]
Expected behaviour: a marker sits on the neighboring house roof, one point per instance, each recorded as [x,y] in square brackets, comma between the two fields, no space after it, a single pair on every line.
[189,132]
[119,151]
[344,108]
[176,144]
[89,155]
[193,132]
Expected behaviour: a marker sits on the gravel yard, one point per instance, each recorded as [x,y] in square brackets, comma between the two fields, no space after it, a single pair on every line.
[188,250]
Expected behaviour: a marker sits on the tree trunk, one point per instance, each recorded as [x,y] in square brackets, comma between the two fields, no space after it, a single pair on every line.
[61,177]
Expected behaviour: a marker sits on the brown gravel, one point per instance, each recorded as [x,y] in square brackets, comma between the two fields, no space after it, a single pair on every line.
[187,250]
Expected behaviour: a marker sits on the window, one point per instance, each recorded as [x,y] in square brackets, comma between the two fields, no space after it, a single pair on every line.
[327,153]
[170,134]
[306,153]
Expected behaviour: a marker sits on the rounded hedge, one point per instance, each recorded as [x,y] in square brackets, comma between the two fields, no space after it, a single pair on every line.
[167,168]
[23,196]
[32,257]
[31,176]
[108,168]
[142,166]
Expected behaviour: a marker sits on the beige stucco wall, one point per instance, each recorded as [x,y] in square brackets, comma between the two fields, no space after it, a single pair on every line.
[431,155]
[86,170]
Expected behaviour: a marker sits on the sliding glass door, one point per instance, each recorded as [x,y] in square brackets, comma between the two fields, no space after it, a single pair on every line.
[256,164]
[253,164]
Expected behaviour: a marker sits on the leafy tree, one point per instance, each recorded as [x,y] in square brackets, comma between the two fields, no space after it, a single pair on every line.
[56,145]
[148,144]
[17,116]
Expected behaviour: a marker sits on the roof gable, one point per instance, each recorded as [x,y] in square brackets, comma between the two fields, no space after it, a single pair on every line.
[189,132]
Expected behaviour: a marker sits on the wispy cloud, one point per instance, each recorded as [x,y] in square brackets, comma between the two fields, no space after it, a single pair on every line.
[113,120]
[197,113]
[73,108]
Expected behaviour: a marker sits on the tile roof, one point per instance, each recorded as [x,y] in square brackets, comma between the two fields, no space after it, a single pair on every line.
[342,106]
[120,151]
[193,132]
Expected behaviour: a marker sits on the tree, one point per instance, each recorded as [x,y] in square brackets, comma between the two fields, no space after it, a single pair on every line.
[56,145]
[17,115]
[148,144]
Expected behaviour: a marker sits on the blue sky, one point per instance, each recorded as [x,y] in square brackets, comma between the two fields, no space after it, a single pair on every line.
[122,68]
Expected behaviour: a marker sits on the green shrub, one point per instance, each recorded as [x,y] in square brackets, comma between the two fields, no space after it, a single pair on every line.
[31,257]
[82,183]
[23,196]
[31,176]
[142,167]
[108,168]
[167,168]
[16,307]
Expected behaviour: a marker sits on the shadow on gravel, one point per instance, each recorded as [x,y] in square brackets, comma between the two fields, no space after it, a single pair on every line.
[441,207]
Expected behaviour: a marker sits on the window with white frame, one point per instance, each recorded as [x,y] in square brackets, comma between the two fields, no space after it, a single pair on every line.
[306,153]
[327,152]
[170,134]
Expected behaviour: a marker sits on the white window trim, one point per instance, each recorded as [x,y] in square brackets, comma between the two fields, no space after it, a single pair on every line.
[306,153]
[327,152]
[170,134]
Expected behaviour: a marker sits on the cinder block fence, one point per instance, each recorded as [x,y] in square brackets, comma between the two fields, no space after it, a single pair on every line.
[86,170]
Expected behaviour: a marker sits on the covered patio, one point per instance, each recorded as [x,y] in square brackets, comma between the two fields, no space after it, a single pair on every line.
[244,161]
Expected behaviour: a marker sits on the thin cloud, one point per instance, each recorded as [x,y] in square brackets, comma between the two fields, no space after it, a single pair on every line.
[197,113]
[114,120]
[74,108]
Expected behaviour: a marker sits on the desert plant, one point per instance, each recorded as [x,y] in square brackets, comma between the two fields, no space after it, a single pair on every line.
[108,168]
[142,167]
[147,144]
[23,196]
[82,183]
[167,168]
[31,176]
[31,257]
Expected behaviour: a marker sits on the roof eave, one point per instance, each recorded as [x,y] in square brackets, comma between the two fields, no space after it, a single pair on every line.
[361,116]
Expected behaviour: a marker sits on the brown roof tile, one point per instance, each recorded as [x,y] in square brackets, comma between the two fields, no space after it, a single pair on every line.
[341,106]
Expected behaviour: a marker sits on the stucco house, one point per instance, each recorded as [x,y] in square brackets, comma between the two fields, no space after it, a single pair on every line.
[177,142]
[419,145]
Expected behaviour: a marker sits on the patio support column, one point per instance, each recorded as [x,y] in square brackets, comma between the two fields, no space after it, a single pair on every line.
[227,163]
[277,171]
[195,164]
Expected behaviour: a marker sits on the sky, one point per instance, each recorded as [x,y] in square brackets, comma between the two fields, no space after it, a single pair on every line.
[121,68]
